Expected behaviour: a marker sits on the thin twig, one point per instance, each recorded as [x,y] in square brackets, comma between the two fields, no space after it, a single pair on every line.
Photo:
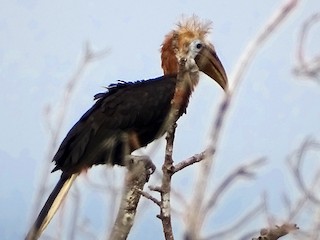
[296,161]
[155,188]
[309,67]
[236,227]
[191,160]
[247,170]
[150,197]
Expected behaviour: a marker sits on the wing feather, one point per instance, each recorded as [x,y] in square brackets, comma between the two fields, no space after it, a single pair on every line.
[100,133]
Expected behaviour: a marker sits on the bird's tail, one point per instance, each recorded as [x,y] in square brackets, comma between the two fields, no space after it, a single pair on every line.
[51,206]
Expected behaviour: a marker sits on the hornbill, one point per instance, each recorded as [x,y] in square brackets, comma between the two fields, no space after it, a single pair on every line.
[130,115]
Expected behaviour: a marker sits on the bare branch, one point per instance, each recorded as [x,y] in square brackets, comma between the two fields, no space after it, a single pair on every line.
[194,159]
[307,66]
[165,208]
[135,180]
[150,197]
[188,73]
[296,161]
[236,227]
[266,211]
[246,170]
[155,188]
[277,232]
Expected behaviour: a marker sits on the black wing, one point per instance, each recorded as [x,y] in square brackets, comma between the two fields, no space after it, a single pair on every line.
[101,134]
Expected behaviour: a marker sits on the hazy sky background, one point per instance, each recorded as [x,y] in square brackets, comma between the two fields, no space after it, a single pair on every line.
[41,43]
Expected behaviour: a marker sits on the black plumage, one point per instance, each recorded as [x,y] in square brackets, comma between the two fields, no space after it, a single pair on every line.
[103,133]
[126,117]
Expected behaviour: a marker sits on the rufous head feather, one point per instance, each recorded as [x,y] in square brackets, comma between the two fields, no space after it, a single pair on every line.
[179,39]
[189,40]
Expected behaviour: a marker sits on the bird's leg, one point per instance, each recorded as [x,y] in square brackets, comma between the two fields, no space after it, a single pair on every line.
[132,160]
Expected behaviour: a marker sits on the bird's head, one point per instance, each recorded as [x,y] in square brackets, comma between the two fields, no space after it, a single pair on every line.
[189,39]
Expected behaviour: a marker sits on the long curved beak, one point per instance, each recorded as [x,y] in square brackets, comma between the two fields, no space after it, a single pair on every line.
[209,63]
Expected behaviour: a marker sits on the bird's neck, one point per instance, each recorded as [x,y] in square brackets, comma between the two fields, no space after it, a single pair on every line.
[186,83]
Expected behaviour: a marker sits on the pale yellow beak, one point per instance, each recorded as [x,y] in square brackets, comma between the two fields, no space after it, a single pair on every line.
[209,63]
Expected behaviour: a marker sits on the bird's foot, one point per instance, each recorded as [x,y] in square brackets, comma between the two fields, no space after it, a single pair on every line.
[132,160]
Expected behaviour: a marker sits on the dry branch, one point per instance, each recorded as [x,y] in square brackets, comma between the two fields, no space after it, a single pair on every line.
[296,161]
[135,179]
[247,171]
[277,232]
[191,160]
[150,197]
[188,72]
[237,226]
[307,66]
[167,169]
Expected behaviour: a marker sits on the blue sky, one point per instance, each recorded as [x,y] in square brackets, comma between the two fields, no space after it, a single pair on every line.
[41,45]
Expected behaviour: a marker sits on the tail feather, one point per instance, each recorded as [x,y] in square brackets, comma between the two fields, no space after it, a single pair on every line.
[51,206]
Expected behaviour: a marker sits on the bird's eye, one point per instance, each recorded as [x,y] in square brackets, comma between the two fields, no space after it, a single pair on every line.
[199,46]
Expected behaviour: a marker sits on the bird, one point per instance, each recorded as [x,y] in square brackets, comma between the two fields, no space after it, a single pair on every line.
[130,115]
